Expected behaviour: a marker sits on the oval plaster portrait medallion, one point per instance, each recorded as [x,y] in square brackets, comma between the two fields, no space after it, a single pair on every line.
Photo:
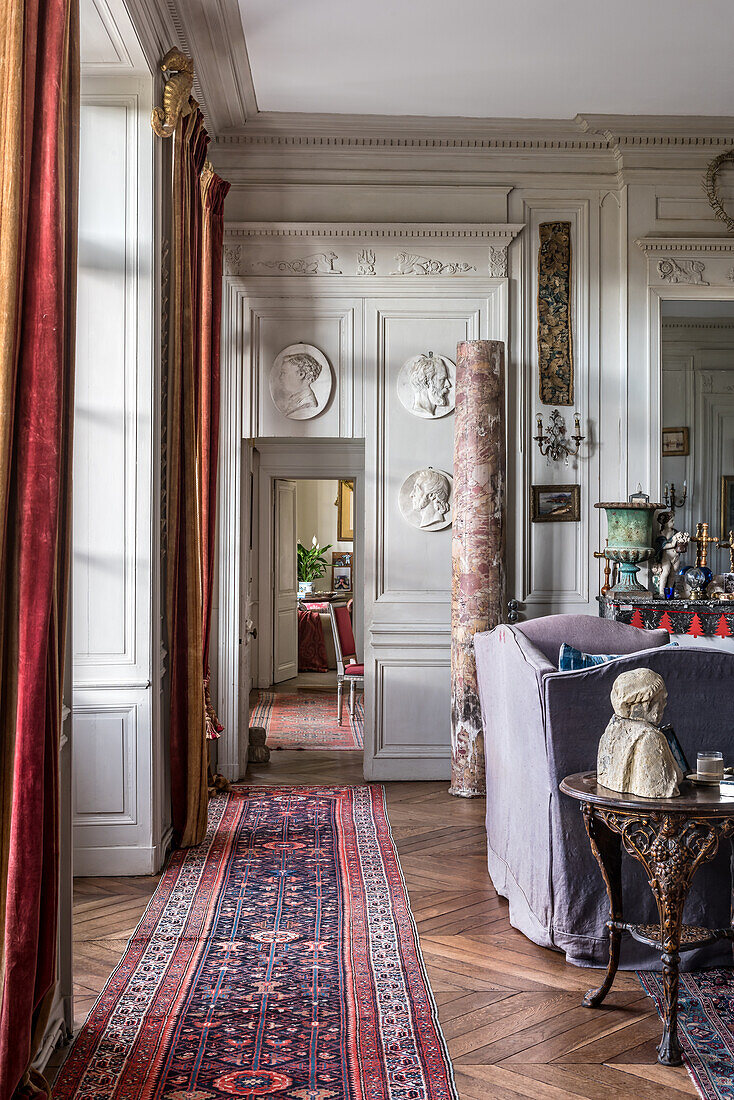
[425,499]
[427,385]
[301,381]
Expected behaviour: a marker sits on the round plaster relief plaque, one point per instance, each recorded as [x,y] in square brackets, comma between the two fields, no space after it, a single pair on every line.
[301,381]
[425,499]
[427,385]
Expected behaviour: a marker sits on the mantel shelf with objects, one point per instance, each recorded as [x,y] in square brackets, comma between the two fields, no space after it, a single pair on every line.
[697,618]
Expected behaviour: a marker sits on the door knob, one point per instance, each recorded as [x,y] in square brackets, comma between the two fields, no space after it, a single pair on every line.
[512,611]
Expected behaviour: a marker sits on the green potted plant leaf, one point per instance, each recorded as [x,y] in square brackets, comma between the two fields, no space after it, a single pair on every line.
[312,565]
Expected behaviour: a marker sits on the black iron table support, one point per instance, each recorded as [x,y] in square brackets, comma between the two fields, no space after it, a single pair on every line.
[671,838]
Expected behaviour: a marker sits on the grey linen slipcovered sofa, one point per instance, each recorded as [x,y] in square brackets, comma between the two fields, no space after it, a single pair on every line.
[541,725]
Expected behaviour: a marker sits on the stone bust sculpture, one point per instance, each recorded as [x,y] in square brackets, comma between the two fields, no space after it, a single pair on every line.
[431,497]
[430,383]
[634,756]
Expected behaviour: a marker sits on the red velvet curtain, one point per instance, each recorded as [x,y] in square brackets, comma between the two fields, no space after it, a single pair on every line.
[192,440]
[39,109]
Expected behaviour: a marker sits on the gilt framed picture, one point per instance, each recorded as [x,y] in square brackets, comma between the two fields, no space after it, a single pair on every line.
[555,504]
[342,563]
[345,510]
[675,442]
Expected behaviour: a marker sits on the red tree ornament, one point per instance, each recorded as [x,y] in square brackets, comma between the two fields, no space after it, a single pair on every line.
[636,619]
[666,623]
[723,630]
[695,629]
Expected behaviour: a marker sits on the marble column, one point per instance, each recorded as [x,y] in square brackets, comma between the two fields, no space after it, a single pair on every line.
[478,544]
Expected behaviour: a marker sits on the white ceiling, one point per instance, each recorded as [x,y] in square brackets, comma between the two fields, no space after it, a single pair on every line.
[492,58]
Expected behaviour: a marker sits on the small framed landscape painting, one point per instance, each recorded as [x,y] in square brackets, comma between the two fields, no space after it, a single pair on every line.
[675,442]
[727,505]
[556,504]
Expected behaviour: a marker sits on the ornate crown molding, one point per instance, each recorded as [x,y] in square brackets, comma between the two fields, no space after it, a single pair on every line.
[501,234]
[689,245]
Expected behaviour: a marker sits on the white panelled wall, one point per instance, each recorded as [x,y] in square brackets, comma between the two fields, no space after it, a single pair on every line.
[119,815]
[355,287]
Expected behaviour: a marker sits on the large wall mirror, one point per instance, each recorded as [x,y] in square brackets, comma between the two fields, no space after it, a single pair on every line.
[697,414]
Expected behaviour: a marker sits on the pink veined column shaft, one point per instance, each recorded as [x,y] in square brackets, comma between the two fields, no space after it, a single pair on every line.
[478,544]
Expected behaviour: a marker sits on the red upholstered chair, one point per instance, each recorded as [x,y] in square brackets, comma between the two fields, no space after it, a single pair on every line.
[347,666]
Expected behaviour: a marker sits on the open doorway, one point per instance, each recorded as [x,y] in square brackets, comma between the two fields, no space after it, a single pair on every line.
[309,589]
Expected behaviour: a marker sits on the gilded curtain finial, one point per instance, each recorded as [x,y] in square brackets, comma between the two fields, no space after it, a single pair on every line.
[178,69]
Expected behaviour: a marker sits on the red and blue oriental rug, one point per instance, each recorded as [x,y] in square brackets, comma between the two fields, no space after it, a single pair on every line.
[705,1026]
[277,959]
[308,720]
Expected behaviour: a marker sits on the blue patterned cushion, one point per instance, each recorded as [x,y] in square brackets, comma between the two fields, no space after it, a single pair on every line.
[571,659]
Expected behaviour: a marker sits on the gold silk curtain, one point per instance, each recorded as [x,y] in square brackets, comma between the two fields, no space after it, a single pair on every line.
[39,129]
[192,438]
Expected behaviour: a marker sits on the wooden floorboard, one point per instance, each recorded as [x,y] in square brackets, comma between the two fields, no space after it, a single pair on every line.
[511,1011]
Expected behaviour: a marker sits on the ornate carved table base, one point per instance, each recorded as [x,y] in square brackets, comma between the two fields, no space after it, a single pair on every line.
[670,842]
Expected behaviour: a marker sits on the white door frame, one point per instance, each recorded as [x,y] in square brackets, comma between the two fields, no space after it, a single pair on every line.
[302,459]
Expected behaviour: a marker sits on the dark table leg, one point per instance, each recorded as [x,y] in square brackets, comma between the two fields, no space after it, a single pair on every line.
[670,895]
[606,847]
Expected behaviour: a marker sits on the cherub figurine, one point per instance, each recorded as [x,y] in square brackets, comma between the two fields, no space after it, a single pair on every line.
[669,546]
[634,756]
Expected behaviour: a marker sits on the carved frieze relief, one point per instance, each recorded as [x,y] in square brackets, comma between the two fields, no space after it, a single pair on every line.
[682,271]
[410,263]
[294,248]
[366,261]
[317,263]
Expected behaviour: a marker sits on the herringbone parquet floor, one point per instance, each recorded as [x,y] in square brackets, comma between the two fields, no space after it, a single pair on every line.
[511,1011]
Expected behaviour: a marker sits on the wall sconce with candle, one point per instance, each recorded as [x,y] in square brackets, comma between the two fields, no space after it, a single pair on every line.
[671,498]
[553,443]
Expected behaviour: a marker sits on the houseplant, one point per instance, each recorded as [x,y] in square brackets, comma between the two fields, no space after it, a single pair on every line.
[312,565]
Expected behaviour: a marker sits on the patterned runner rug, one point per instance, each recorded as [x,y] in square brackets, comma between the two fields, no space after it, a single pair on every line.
[705,1027]
[308,720]
[279,958]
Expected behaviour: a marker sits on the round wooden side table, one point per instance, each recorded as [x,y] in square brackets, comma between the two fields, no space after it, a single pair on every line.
[671,838]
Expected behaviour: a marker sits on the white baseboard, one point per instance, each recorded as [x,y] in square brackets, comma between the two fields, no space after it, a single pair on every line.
[111,862]
[406,768]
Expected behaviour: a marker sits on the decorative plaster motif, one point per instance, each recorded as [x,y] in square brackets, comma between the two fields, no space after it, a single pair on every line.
[366,262]
[498,262]
[730,274]
[682,271]
[411,264]
[710,186]
[318,263]
[426,386]
[301,381]
[425,499]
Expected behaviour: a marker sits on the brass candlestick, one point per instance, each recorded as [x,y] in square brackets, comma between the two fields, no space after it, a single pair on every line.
[703,540]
